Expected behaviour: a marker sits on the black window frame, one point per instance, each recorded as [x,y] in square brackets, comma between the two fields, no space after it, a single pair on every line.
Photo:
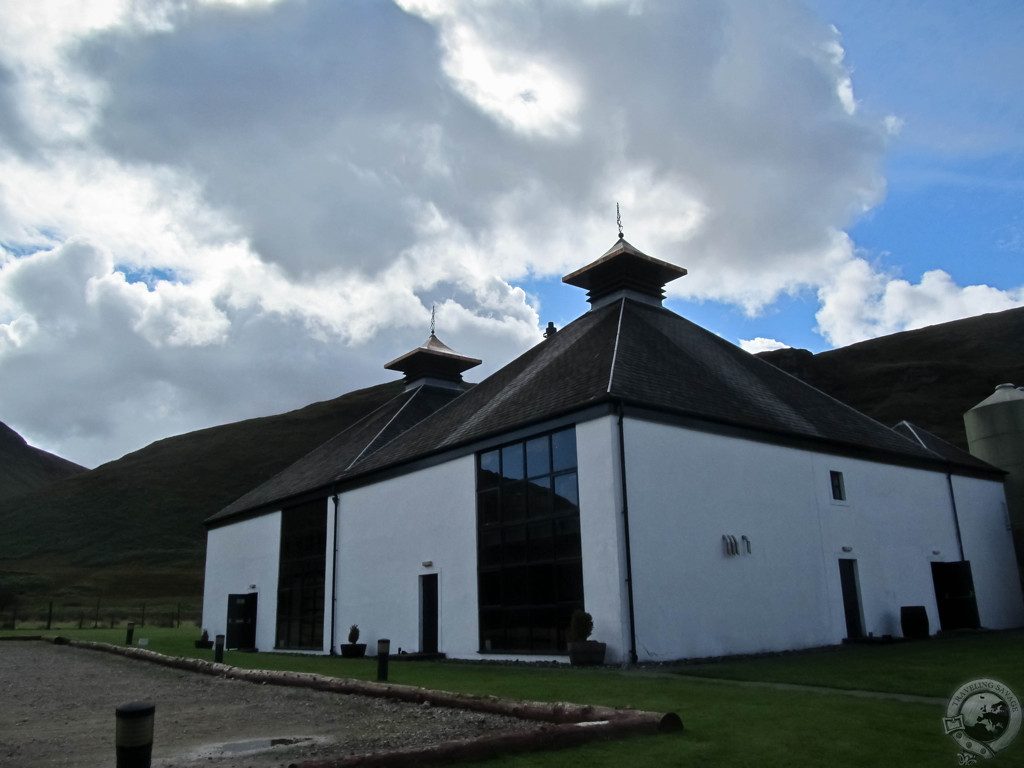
[529,553]
[302,574]
[838,485]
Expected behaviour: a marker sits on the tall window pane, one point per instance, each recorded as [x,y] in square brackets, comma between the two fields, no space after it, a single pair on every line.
[531,576]
[300,593]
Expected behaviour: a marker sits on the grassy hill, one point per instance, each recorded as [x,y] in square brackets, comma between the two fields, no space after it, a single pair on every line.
[133,527]
[929,376]
[24,468]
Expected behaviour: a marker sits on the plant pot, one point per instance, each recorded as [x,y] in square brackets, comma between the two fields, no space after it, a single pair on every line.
[353,650]
[204,643]
[587,653]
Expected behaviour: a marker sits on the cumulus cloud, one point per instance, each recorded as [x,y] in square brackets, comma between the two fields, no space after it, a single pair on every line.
[862,303]
[215,209]
[761,344]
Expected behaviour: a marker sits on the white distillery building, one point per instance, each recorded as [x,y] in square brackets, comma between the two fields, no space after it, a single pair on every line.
[694,499]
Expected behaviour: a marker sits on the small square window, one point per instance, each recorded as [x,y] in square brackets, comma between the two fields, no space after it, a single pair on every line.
[838,486]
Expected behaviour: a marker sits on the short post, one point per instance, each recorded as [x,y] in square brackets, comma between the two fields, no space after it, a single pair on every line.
[383,650]
[49,615]
[218,649]
[134,736]
[129,633]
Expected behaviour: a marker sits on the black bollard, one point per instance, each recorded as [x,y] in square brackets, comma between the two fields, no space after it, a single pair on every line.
[129,633]
[218,649]
[134,737]
[383,649]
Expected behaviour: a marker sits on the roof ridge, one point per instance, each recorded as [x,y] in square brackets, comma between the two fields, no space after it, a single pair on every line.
[381,431]
[267,482]
[615,350]
[912,428]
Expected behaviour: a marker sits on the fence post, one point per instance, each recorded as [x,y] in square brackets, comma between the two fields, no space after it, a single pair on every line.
[49,616]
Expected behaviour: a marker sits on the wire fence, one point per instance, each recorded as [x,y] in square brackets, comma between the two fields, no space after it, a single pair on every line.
[96,614]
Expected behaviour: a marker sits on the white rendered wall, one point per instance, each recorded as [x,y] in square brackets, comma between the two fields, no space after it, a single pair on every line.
[601,539]
[985,530]
[386,532]
[686,489]
[238,556]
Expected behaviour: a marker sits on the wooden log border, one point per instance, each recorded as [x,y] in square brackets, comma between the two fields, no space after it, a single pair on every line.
[570,724]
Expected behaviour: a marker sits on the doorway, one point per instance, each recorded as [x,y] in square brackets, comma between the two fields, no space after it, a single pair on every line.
[241,621]
[851,598]
[954,595]
[428,613]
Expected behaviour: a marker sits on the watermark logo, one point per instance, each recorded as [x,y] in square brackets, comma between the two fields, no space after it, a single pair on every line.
[982,717]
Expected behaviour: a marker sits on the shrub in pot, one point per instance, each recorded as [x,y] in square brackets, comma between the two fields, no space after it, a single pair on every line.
[204,641]
[353,649]
[582,650]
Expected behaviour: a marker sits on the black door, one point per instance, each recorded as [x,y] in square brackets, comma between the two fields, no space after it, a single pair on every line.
[851,598]
[954,595]
[428,606]
[241,621]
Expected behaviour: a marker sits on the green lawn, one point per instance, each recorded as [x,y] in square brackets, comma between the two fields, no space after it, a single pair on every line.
[934,667]
[726,724]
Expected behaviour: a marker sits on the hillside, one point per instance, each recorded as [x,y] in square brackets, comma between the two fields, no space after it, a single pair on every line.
[134,526]
[929,376]
[24,468]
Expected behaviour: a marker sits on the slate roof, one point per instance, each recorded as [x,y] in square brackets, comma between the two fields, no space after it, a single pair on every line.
[325,464]
[649,357]
[628,352]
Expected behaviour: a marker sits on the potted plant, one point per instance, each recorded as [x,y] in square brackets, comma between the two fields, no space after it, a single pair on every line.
[353,649]
[583,651]
[204,641]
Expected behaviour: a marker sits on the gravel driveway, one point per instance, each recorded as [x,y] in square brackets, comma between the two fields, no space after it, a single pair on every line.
[57,709]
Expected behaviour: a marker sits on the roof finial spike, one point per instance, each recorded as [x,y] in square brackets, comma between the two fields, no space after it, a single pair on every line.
[618,219]
[433,314]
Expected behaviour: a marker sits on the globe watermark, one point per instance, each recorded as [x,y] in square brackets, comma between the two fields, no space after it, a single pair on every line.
[982,717]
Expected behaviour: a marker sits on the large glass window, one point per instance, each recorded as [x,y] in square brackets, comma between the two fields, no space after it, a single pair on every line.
[300,590]
[528,543]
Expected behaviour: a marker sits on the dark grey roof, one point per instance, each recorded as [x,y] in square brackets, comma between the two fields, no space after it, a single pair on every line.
[326,464]
[651,358]
[566,372]
[939,447]
[628,352]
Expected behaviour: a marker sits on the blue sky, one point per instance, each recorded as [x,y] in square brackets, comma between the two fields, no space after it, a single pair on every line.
[213,210]
[953,73]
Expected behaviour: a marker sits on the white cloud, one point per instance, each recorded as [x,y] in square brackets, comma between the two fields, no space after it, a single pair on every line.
[761,344]
[213,210]
[862,303]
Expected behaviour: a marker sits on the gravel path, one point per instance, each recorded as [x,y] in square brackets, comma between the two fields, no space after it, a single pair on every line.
[57,709]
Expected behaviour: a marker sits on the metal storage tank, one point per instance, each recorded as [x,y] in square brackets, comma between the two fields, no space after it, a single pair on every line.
[995,433]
